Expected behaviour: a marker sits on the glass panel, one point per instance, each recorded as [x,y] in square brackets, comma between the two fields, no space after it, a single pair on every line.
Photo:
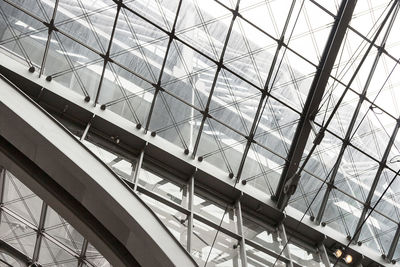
[223,252]
[291,79]
[304,256]
[384,89]
[249,52]
[234,102]
[221,146]
[372,131]
[188,75]
[22,34]
[162,13]
[53,255]
[276,127]
[95,258]
[206,207]
[89,21]
[175,221]
[17,234]
[257,258]
[309,192]
[61,230]
[139,46]
[378,233]
[262,169]
[255,232]
[357,172]
[367,16]
[124,93]
[389,204]
[204,25]
[311,30]
[73,65]
[267,15]
[19,199]
[175,121]
[158,184]
[342,213]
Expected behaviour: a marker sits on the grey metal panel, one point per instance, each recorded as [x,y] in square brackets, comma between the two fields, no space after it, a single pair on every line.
[38,138]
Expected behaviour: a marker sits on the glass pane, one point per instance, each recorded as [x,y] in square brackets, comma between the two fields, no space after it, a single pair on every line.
[19,199]
[175,221]
[160,185]
[17,234]
[61,230]
[214,211]
[304,256]
[257,258]
[53,255]
[223,252]
[257,233]
[22,34]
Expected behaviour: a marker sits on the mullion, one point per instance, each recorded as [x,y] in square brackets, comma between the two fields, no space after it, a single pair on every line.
[39,235]
[266,92]
[107,54]
[219,66]
[50,26]
[15,38]
[157,86]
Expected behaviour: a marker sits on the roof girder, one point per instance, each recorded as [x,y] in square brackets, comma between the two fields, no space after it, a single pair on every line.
[314,98]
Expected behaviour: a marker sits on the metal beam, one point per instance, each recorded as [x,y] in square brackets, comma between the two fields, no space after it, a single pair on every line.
[39,233]
[285,240]
[190,215]
[324,255]
[313,101]
[242,243]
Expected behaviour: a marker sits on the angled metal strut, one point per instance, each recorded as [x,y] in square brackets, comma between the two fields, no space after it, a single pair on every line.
[289,179]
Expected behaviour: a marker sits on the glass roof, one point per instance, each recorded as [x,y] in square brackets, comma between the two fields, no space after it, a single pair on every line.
[208,76]
[23,215]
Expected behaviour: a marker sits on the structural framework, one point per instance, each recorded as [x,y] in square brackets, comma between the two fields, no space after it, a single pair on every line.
[260,133]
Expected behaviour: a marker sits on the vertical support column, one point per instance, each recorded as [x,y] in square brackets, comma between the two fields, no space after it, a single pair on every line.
[242,243]
[283,236]
[39,234]
[190,192]
[138,167]
[323,254]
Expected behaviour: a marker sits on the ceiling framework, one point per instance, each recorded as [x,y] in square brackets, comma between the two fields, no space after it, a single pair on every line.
[299,107]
